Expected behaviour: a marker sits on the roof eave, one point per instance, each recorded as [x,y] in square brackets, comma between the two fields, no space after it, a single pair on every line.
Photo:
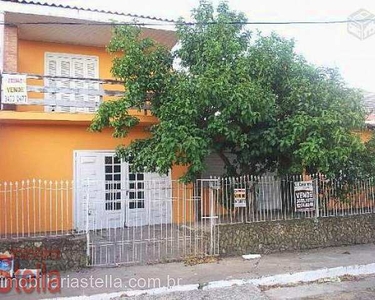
[84,14]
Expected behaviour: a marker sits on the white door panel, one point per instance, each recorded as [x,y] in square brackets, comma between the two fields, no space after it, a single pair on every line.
[108,195]
[92,193]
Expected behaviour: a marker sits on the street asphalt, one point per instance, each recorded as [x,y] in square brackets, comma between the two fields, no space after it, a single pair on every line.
[245,292]
[359,288]
[235,268]
[356,288]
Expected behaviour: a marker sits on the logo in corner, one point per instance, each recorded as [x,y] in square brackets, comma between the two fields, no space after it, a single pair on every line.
[361,24]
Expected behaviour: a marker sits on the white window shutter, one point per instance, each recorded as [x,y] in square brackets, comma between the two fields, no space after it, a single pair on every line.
[65,71]
[92,72]
[51,70]
[79,72]
[77,66]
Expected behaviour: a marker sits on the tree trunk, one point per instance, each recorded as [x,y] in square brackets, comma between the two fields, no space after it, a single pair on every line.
[231,170]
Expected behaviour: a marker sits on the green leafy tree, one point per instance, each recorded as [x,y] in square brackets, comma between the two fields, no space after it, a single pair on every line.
[237,93]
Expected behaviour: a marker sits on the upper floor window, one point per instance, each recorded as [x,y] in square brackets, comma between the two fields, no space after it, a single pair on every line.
[72,66]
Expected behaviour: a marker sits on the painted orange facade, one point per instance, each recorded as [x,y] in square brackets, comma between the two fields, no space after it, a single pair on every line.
[47,150]
[31,60]
[44,142]
[40,145]
[31,56]
[365,135]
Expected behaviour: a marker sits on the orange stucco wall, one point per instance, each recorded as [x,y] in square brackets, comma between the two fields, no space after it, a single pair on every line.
[44,150]
[365,135]
[56,142]
[31,56]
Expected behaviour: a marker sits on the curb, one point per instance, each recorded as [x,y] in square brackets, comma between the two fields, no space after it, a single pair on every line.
[279,279]
[298,277]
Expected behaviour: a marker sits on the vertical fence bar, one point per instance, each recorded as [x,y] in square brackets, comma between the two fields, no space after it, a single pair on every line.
[34,206]
[69,227]
[316,191]
[6,209]
[22,190]
[27,195]
[61,206]
[16,185]
[87,218]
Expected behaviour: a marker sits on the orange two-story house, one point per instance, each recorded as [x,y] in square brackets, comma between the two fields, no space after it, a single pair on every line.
[61,51]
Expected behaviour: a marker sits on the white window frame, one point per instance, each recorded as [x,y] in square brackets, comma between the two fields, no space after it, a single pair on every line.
[70,56]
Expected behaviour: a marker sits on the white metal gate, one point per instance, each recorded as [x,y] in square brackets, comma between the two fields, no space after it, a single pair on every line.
[180,221]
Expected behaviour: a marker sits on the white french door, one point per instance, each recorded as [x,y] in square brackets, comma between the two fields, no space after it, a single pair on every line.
[99,190]
[107,194]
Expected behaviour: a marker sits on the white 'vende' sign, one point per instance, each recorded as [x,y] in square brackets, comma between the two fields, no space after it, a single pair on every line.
[13,89]
[239,197]
[305,198]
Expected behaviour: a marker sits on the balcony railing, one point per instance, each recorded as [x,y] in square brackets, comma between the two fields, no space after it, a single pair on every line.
[32,92]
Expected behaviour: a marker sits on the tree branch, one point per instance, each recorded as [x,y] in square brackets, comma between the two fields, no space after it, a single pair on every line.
[230,168]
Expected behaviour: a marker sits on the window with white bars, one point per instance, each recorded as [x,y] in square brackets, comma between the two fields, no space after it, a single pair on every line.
[73,66]
[112,169]
[136,190]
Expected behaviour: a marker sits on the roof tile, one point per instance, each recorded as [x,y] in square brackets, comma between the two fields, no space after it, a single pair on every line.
[44,3]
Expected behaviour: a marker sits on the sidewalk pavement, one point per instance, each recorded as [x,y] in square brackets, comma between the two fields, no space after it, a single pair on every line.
[125,278]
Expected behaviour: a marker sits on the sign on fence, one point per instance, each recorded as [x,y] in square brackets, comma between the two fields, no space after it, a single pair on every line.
[13,89]
[239,197]
[304,196]
[6,265]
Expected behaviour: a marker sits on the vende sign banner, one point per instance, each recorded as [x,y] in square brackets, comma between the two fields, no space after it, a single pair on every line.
[304,196]
[13,89]
[239,197]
